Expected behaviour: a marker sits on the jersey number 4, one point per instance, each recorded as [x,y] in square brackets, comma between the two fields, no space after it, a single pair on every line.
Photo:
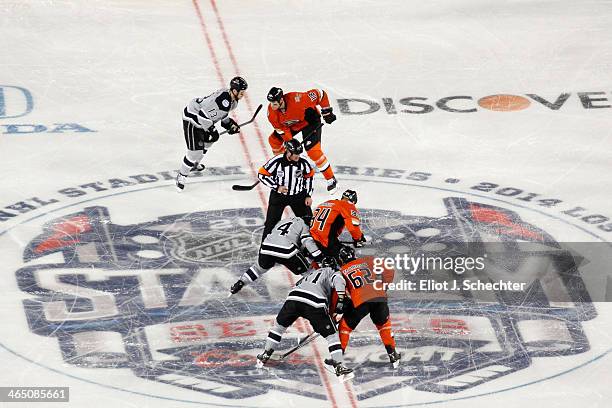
[284,229]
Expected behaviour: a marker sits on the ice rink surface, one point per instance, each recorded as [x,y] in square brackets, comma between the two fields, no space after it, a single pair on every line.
[457,121]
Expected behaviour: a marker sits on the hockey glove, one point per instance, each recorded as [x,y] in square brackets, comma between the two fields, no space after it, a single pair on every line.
[328,115]
[211,135]
[312,116]
[360,242]
[236,287]
[342,305]
[231,126]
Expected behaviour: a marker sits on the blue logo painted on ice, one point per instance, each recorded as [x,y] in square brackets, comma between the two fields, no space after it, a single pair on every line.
[15,102]
[151,297]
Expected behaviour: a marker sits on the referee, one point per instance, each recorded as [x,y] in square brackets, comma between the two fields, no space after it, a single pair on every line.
[290,178]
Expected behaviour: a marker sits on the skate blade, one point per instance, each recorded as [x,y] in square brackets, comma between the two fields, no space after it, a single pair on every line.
[395,364]
[259,364]
[346,377]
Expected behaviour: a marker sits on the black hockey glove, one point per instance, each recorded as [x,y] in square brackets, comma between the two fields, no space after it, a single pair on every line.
[231,126]
[328,115]
[360,242]
[312,116]
[236,287]
[342,305]
[211,135]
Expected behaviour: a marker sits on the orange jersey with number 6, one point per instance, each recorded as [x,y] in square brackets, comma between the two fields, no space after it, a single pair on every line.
[360,280]
[330,218]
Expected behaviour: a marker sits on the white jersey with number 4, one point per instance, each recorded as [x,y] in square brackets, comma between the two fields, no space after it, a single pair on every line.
[287,236]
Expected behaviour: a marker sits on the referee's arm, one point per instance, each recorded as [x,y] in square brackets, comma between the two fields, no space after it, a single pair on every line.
[267,178]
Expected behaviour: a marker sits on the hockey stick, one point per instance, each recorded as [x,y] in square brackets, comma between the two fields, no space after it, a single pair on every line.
[248,121]
[305,340]
[238,187]
[309,338]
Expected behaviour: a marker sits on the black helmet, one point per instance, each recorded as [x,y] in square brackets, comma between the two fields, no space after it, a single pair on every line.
[275,94]
[346,254]
[294,146]
[239,84]
[350,195]
[329,262]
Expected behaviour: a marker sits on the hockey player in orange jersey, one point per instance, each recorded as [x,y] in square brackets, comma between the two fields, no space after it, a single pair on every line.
[329,220]
[296,112]
[367,297]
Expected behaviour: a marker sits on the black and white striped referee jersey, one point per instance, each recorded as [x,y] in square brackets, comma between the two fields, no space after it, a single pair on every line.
[280,171]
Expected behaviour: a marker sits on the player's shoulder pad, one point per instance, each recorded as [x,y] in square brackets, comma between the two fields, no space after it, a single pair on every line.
[224,100]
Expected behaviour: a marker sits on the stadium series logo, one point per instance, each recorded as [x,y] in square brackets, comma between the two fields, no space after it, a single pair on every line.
[151,297]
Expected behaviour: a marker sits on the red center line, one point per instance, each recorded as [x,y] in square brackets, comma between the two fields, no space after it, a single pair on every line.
[228,46]
[222,81]
[301,324]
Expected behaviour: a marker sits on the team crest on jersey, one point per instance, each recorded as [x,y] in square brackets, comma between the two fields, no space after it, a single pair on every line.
[152,297]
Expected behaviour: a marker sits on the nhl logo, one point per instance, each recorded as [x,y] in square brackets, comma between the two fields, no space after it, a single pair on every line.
[214,246]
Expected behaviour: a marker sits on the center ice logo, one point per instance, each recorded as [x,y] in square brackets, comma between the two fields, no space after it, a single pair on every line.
[152,297]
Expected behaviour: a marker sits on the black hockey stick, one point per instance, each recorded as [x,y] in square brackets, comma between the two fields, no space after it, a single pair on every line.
[305,340]
[248,121]
[238,187]
[309,338]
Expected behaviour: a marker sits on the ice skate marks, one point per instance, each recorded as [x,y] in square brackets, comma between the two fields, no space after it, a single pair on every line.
[151,297]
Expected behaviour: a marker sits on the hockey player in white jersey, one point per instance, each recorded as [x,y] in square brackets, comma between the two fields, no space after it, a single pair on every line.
[309,299]
[282,246]
[199,118]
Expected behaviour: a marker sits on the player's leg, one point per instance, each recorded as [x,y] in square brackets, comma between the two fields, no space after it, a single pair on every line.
[276,204]
[285,318]
[195,153]
[323,324]
[299,207]
[379,313]
[349,322]
[318,157]
[298,264]
[264,264]
[276,143]
[312,143]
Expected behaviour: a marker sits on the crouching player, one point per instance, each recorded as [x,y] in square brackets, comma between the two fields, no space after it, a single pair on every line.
[366,298]
[309,299]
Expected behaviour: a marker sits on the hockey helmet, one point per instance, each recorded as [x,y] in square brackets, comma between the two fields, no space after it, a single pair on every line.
[275,94]
[329,262]
[346,254]
[350,195]
[294,146]
[239,84]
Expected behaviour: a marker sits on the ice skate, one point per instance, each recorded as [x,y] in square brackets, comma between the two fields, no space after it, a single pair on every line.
[263,358]
[332,185]
[198,168]
[180,182]
[394,358]
[342,372]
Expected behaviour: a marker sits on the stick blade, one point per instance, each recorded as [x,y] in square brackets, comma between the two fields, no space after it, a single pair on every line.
[238,187]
